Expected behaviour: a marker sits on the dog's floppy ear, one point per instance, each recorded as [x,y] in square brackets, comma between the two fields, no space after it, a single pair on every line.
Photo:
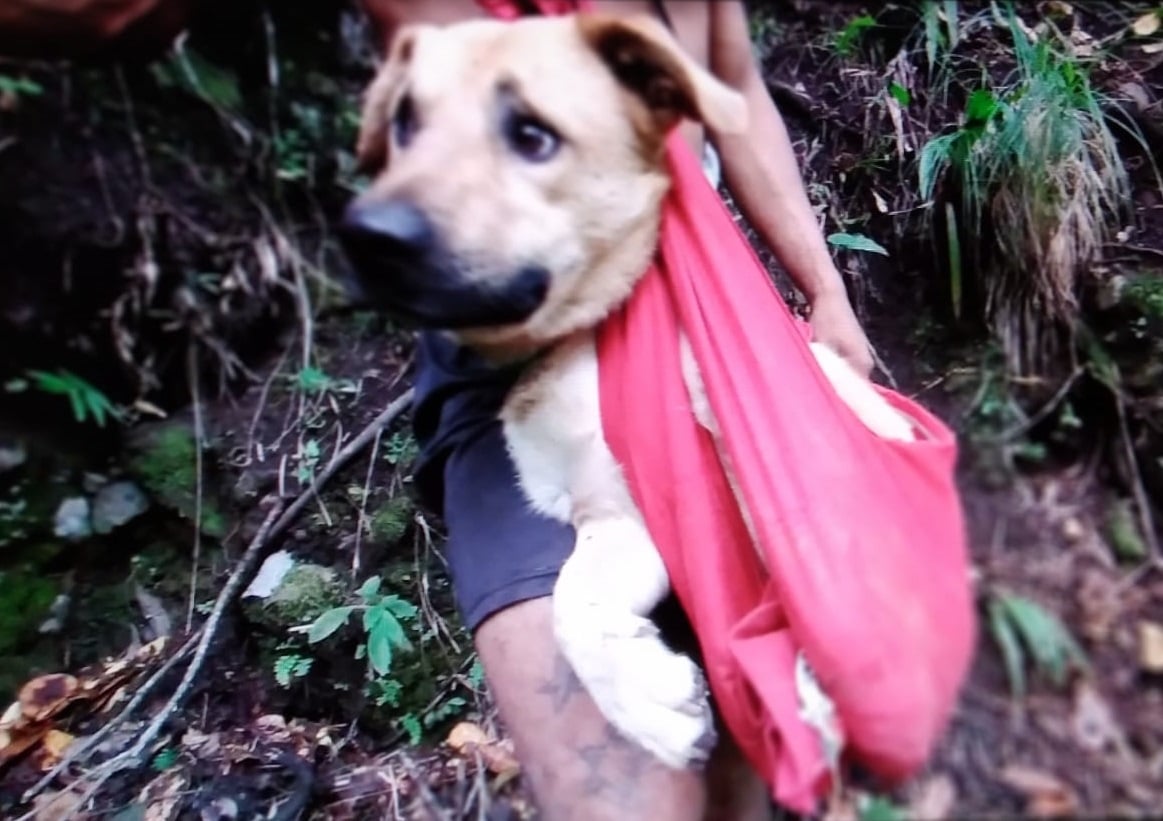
[648,61]
[371,146]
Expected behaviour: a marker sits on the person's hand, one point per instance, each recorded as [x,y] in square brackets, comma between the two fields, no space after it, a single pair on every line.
[834,323]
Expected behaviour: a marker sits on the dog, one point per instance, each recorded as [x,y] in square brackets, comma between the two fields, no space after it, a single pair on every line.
[518,180]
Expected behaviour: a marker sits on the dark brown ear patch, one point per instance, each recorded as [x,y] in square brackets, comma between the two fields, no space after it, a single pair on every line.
[648,72]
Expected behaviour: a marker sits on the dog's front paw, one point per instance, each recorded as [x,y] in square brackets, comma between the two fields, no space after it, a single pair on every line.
[652,696]
[658,699]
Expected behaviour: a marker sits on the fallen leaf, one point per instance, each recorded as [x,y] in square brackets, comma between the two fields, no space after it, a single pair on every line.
[45,696]
[1046,795]
[1146,25]
[934,799]
[1093,721]
[1150,647]
[466,737]
[54,745]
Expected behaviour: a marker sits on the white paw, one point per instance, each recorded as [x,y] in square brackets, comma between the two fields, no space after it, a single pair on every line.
[651,695]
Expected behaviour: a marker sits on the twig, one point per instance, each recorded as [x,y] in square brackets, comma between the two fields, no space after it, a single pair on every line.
[199,487]
[1146,520]
[362,515]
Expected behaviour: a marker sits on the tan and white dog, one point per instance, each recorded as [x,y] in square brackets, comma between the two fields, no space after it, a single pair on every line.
[519,176]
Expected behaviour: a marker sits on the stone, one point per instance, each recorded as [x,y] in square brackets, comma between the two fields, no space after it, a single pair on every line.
[117,504]
[72,520]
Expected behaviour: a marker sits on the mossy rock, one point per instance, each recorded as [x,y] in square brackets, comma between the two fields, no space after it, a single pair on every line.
[301,597]
[390,521]
[164,459]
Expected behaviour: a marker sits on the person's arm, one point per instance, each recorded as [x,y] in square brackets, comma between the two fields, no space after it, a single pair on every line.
[764,177]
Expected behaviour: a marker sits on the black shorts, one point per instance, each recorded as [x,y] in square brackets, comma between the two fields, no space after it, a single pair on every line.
[499,551]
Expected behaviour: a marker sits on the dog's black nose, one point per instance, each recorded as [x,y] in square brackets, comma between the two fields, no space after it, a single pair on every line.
[378,232]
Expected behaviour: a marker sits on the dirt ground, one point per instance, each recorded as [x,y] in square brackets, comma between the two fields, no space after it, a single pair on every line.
[1046,504]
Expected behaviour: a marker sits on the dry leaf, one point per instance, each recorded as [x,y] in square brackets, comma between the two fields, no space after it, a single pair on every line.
[466,737]
[1046,795]
[1151,646]
[1093,721]
[1146,25]
[45,696]
[934,799]
[54,746]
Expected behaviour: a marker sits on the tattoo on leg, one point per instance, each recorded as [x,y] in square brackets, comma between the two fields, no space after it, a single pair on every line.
[562,685]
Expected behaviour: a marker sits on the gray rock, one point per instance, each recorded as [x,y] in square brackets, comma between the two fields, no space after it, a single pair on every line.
[72,521]
[117,503]
[12,455]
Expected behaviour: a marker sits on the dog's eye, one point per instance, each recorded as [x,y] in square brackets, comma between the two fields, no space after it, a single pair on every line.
[404,123]
[531,139]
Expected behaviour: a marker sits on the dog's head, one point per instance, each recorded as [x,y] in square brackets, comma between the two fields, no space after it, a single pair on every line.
[519,170]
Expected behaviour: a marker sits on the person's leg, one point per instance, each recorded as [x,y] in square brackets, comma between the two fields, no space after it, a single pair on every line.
[575,763]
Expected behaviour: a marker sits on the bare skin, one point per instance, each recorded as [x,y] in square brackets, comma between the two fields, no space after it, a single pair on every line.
[576,764]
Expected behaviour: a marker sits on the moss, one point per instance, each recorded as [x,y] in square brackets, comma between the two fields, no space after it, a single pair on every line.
[1146,294]
[25,599]
[1122,532]
[304,594]
[165,461]
[390,521]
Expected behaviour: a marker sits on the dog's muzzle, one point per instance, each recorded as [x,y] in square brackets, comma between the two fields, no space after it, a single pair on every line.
[401,265]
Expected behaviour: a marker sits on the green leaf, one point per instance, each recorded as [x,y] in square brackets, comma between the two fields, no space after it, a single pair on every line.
[370,589]
[856,242]
[411,725]
[165,759]
[1045,636]
[877,808]
[328,623]
[981,106]
[372,617]
[900,94]
[1011,648]
[379,647]
[399,608]
[934,159]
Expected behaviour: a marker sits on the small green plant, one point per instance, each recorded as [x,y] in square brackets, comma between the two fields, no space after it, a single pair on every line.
[857,242]
[86,400]
[165,759]
[291,666]
[19,86]
[383,625]
[1032,185]
[400,449]
[314,381]
[1025,631]
[848,37]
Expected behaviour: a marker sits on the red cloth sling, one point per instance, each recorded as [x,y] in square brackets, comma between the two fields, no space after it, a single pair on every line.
[863,539]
